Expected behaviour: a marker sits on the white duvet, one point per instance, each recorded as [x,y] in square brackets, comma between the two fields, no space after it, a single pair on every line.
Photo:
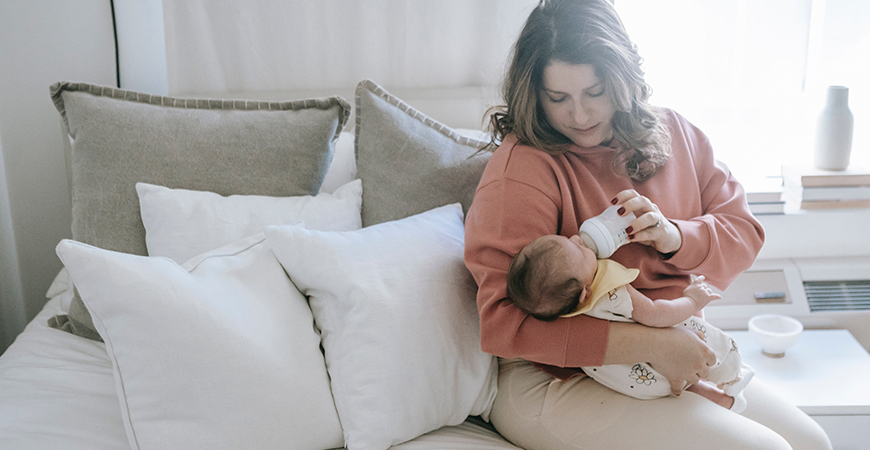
[57,390]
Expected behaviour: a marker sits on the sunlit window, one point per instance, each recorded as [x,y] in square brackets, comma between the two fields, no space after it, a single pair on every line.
[753,73]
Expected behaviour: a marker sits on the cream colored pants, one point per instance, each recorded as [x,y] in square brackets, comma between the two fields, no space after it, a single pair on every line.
[536,411]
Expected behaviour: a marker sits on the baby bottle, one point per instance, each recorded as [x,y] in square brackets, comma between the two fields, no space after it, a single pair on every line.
[605,233]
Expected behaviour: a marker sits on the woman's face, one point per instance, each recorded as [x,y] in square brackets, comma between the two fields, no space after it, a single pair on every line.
[576,105]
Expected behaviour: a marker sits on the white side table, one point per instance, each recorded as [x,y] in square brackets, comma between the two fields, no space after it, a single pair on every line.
[824,374]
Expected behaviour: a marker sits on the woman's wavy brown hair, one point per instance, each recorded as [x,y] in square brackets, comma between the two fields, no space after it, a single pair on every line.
[581,32]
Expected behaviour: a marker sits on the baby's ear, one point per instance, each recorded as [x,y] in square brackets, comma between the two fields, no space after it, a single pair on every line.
[583,296]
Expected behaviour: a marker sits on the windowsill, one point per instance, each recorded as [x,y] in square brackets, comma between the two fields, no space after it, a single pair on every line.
[816,233]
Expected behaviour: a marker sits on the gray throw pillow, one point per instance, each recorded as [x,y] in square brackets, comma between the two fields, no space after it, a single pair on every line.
[78,321]
[408,162]
[119,138]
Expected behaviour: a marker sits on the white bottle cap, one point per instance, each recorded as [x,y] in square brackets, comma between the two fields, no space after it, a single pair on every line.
[600,235]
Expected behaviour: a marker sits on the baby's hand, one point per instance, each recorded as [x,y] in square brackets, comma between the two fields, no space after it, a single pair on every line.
[700,293]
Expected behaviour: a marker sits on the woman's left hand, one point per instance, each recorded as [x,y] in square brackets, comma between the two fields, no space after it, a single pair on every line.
[651,227]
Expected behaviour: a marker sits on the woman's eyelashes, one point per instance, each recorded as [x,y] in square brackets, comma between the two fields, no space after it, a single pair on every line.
[598,92]
[595,91]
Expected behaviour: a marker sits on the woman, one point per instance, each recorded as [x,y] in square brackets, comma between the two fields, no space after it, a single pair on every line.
[577,135]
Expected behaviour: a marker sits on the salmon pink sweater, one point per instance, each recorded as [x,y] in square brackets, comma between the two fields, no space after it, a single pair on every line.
[525,193]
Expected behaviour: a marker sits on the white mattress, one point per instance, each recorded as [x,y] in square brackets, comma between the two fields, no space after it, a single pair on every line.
[57,391]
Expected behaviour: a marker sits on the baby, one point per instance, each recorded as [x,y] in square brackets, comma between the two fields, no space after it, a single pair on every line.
[555,277]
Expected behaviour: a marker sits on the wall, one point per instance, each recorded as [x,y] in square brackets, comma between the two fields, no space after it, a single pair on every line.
[11,296]
[40,42]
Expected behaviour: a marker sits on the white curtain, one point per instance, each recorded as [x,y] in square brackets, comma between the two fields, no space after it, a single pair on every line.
[230,45]
[751,74]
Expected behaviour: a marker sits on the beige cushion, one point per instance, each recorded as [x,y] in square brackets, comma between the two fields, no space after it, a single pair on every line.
[408,162]
[229,147]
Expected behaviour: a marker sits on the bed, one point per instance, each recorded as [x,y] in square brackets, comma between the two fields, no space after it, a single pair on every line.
[256,274]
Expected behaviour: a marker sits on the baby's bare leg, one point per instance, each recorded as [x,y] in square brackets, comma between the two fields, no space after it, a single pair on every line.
[712,393]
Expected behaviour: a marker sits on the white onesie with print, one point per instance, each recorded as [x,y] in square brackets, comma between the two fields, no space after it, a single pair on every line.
[640,380]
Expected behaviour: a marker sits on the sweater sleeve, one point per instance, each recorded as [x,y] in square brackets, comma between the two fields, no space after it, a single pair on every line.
[506,215]
[725,238]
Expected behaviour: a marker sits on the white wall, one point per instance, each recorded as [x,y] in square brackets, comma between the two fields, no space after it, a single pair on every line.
[40,42]
[11,297]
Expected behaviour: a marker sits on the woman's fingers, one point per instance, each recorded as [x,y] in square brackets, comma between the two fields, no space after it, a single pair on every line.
[650,226]
[632,202]
[684,358]
[647,214]
[678,386]
[624,196]
[709,355]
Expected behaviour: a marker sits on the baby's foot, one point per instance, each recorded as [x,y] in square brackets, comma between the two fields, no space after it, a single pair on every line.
[737,386]
[739,403]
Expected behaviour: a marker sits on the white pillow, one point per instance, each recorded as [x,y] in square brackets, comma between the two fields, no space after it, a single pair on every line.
[342,169]
[219,354]
[180,224]
[396,310]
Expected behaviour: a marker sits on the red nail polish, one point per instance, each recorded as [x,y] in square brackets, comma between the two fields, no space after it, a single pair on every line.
[620,211]
[613,202]
[629,230]
[630,237]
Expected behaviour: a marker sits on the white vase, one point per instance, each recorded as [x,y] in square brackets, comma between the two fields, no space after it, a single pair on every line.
[834,131]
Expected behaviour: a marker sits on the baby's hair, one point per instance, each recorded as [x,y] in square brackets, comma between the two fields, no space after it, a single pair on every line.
[529,282]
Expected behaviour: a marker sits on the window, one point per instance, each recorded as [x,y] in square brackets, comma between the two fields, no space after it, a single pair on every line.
[752,74]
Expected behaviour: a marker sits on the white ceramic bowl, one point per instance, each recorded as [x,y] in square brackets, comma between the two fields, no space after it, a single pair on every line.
[775,333]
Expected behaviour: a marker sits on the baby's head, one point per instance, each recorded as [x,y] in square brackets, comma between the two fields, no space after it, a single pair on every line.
[549,277]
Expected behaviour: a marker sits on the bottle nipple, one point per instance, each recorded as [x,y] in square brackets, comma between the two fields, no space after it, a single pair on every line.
[590,243]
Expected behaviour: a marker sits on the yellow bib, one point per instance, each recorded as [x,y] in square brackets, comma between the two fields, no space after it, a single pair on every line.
[610,275]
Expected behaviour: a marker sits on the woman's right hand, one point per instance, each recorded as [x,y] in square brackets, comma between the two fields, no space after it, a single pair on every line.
[682,356]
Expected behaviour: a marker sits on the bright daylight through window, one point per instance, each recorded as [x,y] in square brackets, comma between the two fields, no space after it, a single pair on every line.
[752,74]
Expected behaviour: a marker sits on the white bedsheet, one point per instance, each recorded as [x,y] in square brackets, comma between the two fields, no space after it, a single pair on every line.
[57,391]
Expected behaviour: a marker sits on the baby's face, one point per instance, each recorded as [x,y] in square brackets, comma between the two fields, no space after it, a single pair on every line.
[573,259]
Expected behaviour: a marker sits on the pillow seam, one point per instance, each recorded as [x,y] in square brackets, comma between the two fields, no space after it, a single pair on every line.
[380,92]
[57,89]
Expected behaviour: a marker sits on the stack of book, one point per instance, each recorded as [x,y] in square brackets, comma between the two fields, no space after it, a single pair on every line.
[811,188]
[764,195]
